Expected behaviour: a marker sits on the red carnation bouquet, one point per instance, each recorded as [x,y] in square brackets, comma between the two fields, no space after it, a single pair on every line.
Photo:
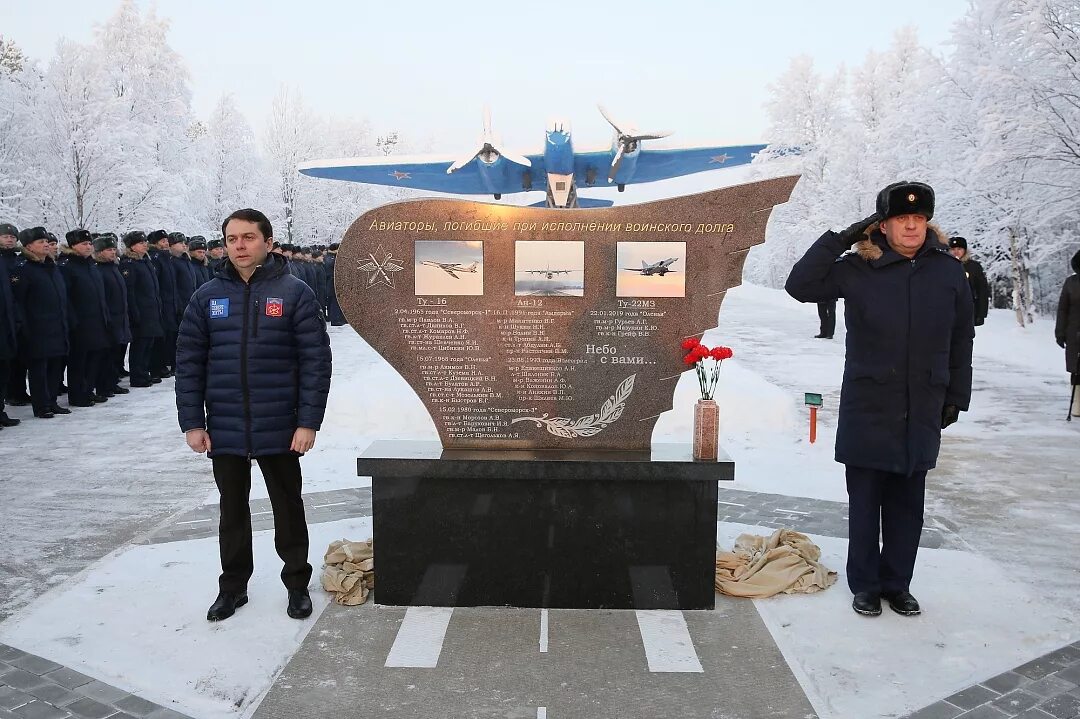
[698,354]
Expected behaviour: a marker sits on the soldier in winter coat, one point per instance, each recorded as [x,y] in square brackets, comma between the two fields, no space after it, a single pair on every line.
[1067,330]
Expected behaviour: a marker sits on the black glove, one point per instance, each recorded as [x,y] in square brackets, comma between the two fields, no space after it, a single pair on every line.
[949,415]
[1061,344]
[854,233]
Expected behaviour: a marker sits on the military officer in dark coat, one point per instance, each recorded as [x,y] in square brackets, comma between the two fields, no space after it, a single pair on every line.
[107,383]
[337,317]
[182,271]
[1067,330]
[9,330]
[164,347]
[215,251]
[41,302]
[10,254]
[88,318]
[907,376]
[197,258]
[144,307]
[980,288]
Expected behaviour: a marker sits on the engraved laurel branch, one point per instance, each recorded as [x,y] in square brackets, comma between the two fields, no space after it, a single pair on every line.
[592,424]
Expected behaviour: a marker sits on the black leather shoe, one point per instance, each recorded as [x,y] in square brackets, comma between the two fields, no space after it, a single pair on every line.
[155,380]
[225,606]
[44,415]
[866,603]
[18,401]
[57,409]
[299,604]
[100,398]
[120,390]
[903,603]
[6,421]
[73,403]
[142,384]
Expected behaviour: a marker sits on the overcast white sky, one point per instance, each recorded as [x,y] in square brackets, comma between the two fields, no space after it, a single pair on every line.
[427,67]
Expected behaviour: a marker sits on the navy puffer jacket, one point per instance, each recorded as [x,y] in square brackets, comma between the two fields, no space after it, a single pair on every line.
[910,325]
[252,361]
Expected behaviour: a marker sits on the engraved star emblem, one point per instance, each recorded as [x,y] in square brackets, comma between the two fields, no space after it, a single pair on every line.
[380,270]
[719,159]
[398,175]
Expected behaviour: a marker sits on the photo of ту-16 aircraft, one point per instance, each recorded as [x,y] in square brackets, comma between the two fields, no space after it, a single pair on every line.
[559,171]
[657,268]
[451,267]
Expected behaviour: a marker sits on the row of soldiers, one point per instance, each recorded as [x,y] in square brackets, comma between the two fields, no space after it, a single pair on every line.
[87,306]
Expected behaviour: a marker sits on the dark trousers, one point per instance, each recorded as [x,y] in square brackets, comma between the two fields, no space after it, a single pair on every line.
[82,373]
[5,368]
[281,473]
[139,360]
[16,381]
[826,312]
[889,505]
[108,374]
[163,360]
[45,375]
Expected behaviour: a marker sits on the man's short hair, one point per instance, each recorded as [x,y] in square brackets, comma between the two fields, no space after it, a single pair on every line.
[250,215]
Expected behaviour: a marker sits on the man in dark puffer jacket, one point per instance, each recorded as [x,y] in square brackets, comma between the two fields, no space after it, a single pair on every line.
[252,378]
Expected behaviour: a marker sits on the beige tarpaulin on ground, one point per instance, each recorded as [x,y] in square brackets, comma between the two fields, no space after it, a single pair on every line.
[349,573]
[760,567]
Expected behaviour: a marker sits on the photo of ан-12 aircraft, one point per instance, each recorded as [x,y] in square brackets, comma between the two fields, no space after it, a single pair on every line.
[451,268]
[656,268]
[549,273]
[559,171]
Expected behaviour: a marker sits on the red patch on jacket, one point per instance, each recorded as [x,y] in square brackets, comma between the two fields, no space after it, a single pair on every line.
[275,307]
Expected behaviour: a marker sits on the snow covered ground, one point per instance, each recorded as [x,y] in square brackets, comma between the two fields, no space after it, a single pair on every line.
[78,490]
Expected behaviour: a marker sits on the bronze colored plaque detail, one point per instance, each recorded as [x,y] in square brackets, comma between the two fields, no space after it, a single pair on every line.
[527,328]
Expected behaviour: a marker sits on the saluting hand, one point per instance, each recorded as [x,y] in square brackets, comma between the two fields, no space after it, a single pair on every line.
[303,440]
[198,440]
[854,233]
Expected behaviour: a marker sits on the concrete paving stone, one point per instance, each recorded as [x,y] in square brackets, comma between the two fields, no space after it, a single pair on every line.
[1038,668]
[1016,701]
[1069,674]
[103,692]
[972,697]
[5,668]
[87,708]
[21,679]
[35,664]
[40,710]
[1049,686]
[984,712]
[1034,713]
[122,715]
[68,678]
[5,714]
[1006,682]
[10,697]
[9,653]
[166,713]
[1063,706]
[135,705]
[1066,655]
[55,694]
[937,710]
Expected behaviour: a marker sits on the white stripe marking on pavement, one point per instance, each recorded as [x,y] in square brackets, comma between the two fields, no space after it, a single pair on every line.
[196,521]
[420,638]
[332,504]
[668,646]
[541,712]
[543,631]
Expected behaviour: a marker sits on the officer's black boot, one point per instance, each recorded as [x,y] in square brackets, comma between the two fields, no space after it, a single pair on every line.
[299,604]
[867,603]
[225,606]
[903,603]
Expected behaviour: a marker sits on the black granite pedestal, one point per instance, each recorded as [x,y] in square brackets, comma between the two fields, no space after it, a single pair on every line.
[561,529]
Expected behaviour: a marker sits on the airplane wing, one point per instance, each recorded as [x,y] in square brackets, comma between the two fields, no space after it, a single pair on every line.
[451,273]
[427,172]
[653,165]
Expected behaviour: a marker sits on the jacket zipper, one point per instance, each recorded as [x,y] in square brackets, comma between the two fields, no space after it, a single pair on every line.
[243,370]
[255,333]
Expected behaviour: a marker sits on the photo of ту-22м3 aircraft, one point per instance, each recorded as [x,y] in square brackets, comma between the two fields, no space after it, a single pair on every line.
[656,268]
[559,171]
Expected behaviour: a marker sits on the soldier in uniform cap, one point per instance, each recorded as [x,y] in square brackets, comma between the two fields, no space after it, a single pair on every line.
[14,389]
[337,317]
[907,375]
[88,320]
[197,255]
[107,383]
[164,347]
[9,331]
[183,272]
[980,288]
[144,307]
[41,302]
[215,250]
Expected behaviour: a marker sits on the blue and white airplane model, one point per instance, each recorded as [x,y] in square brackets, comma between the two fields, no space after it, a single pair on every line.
[558,170]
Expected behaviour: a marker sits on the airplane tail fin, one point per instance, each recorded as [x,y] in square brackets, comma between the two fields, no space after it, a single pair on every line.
[470,268]
[643,265]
